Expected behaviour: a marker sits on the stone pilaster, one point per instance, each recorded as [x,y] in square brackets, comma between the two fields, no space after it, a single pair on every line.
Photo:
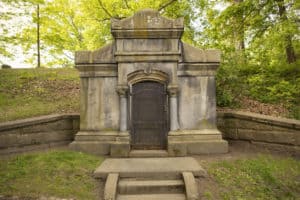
[173,93]
[122,91]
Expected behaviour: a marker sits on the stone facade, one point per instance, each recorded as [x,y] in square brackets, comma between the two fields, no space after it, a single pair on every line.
[147,47]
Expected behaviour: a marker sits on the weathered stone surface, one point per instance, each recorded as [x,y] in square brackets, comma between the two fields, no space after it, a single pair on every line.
[64,124]
[207,147]
[231,133]
[147,24]
[197,107]
[120,149]
[36,133]
[177,149]
[191,187]
[34,121]
[99,104]
[110,189]
[149,167]
[92,147]
[150,186]
[246,124]
[195,55]
[147,47]
[276,148]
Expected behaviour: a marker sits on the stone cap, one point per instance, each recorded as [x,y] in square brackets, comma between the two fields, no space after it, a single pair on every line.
[102,55]
[195,55]
[279,121]
[147,23]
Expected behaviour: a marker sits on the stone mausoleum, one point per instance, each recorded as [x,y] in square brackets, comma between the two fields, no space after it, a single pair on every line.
[148,90]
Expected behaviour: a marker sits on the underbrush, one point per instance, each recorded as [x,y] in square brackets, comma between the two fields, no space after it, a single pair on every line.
[269,83]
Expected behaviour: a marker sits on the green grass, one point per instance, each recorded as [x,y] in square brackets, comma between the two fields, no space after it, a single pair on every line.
[32,92]
[264,177]
[63,174]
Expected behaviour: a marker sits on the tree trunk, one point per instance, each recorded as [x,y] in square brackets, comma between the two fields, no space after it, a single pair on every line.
[289,49]
[38,36]
[241,33]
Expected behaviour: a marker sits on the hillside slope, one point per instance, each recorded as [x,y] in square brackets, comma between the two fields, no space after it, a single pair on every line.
[33,92]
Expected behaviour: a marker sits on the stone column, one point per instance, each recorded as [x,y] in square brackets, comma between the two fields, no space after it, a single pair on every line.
[122,91]
[173,92]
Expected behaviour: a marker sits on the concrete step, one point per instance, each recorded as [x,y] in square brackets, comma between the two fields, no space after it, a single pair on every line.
[132,186]
[152,197]
[148,153]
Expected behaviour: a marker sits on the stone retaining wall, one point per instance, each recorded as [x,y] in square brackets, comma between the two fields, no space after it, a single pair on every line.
[250,130]
[247,130]
[37,133]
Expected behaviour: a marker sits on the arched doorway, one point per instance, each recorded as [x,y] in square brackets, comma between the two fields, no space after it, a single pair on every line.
[149,115]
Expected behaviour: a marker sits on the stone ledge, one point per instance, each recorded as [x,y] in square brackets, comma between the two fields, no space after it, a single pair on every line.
[35,120]
[270,120]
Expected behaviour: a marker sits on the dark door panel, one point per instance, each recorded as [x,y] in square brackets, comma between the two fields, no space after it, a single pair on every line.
[149,116]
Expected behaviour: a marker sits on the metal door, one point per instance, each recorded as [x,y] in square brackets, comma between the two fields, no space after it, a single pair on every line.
[149,115]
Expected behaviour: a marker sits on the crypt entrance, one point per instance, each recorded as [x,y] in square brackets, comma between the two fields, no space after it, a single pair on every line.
[148,90]
[148,115]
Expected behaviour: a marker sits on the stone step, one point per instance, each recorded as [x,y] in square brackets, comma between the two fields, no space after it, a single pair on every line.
[152,197]
[148,153]
[155,168]
[132,186]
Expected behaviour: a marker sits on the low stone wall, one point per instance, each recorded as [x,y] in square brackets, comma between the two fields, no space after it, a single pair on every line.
[244,130]
[255,131]
[37,133]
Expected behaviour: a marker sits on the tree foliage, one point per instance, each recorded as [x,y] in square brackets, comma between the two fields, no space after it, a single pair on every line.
[259,39]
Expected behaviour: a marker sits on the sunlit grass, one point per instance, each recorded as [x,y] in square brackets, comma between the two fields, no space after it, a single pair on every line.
[264,177]
[63,174]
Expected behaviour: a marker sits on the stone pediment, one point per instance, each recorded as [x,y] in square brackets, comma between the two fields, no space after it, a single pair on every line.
[147,24]
[191,54]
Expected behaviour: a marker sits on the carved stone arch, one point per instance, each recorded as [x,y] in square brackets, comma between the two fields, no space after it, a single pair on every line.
[148,75]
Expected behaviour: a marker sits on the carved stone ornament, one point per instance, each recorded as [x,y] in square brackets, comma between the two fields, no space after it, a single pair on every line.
[173,90]
[122,90]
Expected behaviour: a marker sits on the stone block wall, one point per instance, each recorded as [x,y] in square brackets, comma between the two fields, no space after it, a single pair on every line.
[37,133]
[249,130]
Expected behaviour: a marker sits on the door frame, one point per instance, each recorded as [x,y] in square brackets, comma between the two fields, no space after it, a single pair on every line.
[142,76]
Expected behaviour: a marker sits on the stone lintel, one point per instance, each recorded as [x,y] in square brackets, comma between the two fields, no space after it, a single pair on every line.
[147,56]
[197,69]
[148,34]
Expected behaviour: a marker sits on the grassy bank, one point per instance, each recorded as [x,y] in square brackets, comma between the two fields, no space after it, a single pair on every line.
[62,174]
[65,174]
[33,92]
[262,177]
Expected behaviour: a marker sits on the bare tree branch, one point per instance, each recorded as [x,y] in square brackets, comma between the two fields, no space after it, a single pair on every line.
[127,6]
[105,10]
[166,5]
